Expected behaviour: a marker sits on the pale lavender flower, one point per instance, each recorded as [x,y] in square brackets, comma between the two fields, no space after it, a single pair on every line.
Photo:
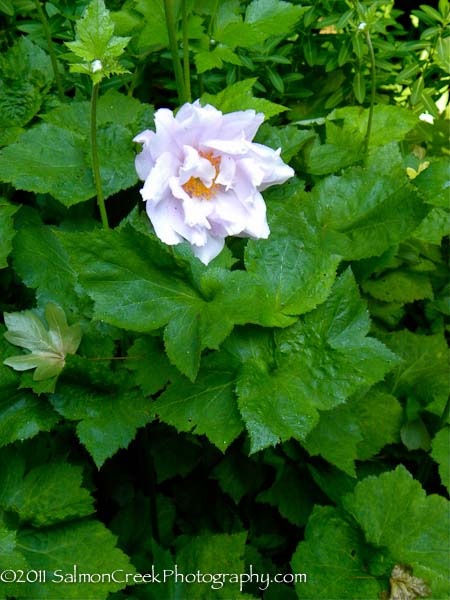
[203,176]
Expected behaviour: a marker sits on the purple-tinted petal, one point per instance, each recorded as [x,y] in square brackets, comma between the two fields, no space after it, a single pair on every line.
[144,161]
[156,185]
[210,249]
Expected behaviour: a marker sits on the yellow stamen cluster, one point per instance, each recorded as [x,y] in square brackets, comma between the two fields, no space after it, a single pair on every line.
[195,186]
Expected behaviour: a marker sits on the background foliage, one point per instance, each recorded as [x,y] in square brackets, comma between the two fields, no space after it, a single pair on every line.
[284,407]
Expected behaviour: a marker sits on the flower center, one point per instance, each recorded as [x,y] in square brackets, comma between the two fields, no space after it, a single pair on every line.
[195,186]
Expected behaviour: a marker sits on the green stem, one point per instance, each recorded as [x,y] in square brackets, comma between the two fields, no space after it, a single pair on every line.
[372,90]
[171,30]
[51,50]
[186,65]
[95,162]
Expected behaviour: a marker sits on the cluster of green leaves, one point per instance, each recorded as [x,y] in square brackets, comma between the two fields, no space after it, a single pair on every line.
[282,409]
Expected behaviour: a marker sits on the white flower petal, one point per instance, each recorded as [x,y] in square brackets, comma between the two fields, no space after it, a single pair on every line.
[211,249]
[196,210]
[168,136]
[195,120]
[156,185]
[269,161]
[238,145]
[257,227]
[196,166]
[252,170]
[229,216]
[227,171]
[167,218]
[144,162]
[247,121]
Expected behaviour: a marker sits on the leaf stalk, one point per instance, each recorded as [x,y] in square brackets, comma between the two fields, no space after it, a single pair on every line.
[372,90]
[95,161]
[186,65]
[172,32]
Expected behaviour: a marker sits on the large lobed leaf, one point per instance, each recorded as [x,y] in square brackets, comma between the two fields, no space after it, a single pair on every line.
[318,363]
[54,157]
[107,421]
[136,284]
[388,520]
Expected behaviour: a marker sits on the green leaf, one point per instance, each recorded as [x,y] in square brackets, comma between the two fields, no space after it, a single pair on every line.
[289,138]
[291,494]
[434,183]
[379,417]
[10,557]
[48,348]
[151,292]
[441,57]
[319,362]
[440,453]
[415,436]
[144,274]
[173,454]
[107,421]
[292,265]
[6,6]
[239,34]
[207,406]
[365,211]
[57,549]
[334,558]
[411,526]
[149,365]
[336,438]
[95,43]
[23,415]
[54,157]
[7,231]
[45,159]
[401,525]
[217,553]
[346,130]
[273,17]
[238,96]
[423,372]
[154,31]
[35,246]
[26,75]
[205,61]
[400,286]
[238,475]
[389,124]
[46,494]
[434,227]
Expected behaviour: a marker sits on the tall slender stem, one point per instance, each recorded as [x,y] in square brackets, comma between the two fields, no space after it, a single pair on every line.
[171,30]
[372,90]
[51,50]
[95,162]
[186,65]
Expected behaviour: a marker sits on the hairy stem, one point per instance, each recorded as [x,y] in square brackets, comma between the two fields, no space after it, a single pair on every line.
[372,90]
[95,162]
[51,49]
[186,65]
[171,30]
